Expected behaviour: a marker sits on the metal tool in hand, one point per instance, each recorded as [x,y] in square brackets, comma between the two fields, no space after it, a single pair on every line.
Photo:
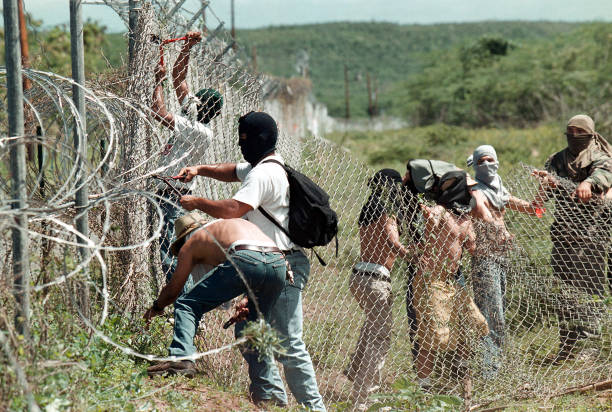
[167,181]
[235,317]
[156,39]
[289,276]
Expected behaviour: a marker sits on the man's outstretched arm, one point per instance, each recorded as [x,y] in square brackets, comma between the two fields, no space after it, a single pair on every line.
[158,106]
[220,209]
[224,172]
[179,71]
[172,290]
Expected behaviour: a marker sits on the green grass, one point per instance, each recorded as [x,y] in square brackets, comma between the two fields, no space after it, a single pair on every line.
[453,144]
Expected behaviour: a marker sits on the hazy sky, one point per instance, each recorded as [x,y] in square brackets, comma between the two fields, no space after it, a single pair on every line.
[258,13]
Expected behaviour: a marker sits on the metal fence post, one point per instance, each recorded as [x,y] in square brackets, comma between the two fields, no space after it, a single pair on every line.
[132,22]
[80,134]
[21,262]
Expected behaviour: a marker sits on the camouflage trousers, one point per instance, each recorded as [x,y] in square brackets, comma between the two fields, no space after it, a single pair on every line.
[581,267]
[374,296]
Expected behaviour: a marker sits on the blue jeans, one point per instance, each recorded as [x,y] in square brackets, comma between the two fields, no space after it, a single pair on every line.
[489,285]
[286,318]
[265,274]
[166,237]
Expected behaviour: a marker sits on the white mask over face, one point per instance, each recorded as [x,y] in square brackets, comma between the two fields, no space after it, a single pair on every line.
[488,180]
[486,171]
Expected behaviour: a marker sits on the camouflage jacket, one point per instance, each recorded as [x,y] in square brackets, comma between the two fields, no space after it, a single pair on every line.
[598,173]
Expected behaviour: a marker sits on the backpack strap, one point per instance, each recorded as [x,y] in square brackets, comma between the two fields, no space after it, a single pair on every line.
[286,232]
[272,161]
[273,220]
[265,213]
[434,187]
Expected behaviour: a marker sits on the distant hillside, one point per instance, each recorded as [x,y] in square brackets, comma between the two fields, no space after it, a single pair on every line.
[493,82]
[390,52]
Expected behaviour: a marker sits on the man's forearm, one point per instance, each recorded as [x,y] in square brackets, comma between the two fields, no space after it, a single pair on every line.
[179,71]
[158,107]
[167,296]
[171,291]
[173,288]
[224,172]
[521,205]
[407,254]
[220,209]
[400,249]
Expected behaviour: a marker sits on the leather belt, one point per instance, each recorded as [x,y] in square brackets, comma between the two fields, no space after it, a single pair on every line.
[263,249]
[290,251]
[374,275]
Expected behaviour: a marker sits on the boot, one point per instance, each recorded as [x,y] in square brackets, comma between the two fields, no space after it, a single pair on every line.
[184,367]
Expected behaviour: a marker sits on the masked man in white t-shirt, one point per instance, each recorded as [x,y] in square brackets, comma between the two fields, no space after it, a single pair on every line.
[265,185]
[190,138]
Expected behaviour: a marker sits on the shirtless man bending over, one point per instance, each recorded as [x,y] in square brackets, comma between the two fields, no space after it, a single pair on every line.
[210,243]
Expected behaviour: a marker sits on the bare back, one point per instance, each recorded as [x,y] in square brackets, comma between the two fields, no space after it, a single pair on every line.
[445,236]
[375,247]
[203,248]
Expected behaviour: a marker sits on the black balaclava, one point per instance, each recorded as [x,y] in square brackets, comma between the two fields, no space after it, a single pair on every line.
[384,185]
[261,135]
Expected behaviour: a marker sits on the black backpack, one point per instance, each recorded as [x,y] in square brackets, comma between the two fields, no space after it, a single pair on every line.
[312,222]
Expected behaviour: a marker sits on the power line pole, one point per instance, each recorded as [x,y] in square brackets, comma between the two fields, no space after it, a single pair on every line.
[77,55]
[347,92]
[21,260]
[376,109]
[369,84]
[254,57]
[204,5]
[233,25]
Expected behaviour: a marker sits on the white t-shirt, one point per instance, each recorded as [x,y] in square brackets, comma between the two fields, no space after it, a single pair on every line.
[186,146]
[266,185]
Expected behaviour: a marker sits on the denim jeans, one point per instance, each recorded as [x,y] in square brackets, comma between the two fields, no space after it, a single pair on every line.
[286,318]
[265,274]
[168,261]
[489,285]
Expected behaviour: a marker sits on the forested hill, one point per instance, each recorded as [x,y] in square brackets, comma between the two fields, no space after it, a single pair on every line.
[390,52]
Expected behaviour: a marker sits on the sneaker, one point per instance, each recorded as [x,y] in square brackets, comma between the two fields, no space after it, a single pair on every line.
[184,367]
[266,404]
[586,332]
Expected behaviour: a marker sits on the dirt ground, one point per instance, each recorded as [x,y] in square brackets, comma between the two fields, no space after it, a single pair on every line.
[197,396]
